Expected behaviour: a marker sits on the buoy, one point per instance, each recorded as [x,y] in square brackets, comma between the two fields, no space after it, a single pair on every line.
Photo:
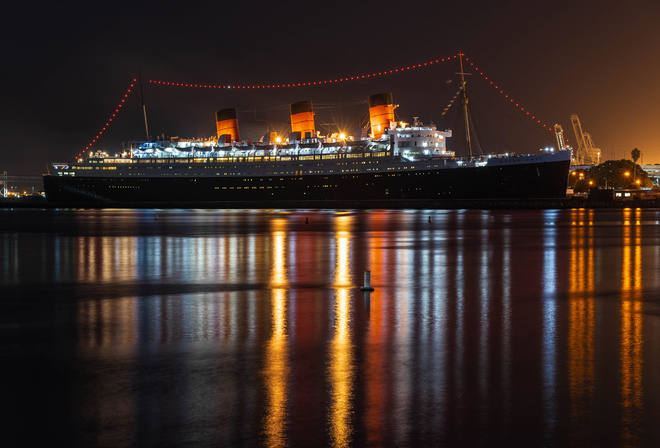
[367,282]
[306,220]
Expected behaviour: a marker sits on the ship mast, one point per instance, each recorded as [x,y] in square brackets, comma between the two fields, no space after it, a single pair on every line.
[144,108]
[464,101]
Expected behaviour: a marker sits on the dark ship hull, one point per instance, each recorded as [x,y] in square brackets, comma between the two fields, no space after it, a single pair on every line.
[544,179]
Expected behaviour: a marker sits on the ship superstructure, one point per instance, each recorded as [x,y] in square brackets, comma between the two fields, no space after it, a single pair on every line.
[399,161]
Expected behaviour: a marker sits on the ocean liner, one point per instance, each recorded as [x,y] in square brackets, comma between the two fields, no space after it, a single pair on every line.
[397,164]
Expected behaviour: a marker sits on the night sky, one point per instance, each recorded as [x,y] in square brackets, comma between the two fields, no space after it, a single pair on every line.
[66,67]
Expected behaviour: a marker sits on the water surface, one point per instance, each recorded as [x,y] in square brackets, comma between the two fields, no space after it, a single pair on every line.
[214,328]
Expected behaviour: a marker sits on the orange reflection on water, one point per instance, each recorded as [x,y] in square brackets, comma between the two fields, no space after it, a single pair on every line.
[278,274]
[581,322]
[341,369]
[376,362]
[276,369]
[632,338]
[341,372]
[276,374]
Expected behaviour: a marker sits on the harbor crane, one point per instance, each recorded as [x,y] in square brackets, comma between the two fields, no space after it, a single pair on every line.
[559,133]
[586,152]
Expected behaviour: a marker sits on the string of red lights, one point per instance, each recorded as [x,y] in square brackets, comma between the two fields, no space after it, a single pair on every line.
[507,96]
[325,82]
[112,117]
[307,83]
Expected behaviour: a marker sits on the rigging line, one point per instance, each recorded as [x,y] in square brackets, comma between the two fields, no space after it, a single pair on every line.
[490,133]
[364,121]
[458,132]
[487,132]
[473,130]
[267,109]
[335,123]
[477,124]
[339,105]
[317,106]
[524,124]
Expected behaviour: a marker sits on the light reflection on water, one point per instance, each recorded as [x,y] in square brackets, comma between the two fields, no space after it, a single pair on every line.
[581,326]
[341,358]
[549,337]
[632,335]
[248,328]
[276,372]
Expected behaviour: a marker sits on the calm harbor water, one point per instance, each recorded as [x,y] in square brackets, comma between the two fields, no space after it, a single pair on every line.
[248,328]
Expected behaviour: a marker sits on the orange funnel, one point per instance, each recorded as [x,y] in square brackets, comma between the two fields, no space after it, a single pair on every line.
[226,122]
[381,113]
[302,119]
